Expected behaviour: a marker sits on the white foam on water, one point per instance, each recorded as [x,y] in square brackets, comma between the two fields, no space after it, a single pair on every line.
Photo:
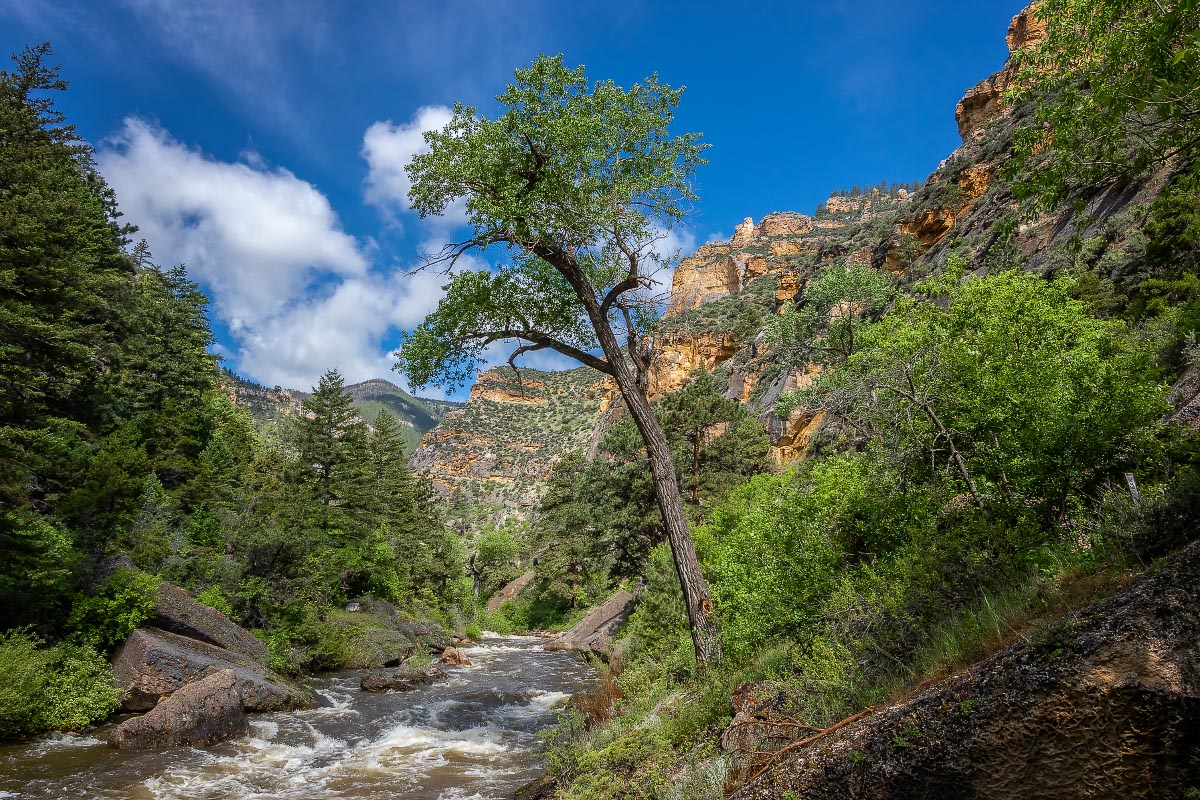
[63,741]
[339,705]
[549,700]
[481,741]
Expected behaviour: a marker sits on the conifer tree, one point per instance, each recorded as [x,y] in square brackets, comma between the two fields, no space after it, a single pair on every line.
[330,440]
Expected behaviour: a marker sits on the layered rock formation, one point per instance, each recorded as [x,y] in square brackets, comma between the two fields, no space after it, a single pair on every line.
[500,446]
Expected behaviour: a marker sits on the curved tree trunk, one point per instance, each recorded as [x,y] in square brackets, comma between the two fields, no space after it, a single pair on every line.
[705,636]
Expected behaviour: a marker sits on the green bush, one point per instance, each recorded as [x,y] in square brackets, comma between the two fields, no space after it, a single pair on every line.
[213,597]
[106,618]
[62,687]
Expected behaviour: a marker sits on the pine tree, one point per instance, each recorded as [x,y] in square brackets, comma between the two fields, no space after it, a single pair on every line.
[330,439]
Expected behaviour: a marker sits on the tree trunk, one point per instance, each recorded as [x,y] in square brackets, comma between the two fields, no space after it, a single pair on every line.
[705,637]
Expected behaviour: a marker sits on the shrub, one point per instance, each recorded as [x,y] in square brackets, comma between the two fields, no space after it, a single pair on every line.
[123,602]
[62,687]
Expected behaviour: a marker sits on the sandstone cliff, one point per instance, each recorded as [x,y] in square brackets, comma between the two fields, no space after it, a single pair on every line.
[723,295]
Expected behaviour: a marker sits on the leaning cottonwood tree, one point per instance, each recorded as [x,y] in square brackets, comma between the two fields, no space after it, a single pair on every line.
[577,183]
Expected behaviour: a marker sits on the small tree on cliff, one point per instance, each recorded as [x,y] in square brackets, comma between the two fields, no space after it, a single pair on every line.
[578,183]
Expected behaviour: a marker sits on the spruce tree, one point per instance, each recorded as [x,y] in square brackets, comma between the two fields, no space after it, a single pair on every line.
[330,441]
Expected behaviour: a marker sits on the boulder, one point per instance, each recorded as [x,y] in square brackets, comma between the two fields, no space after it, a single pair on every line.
[426,634]
[199,714]
[153,663]
[454,657]
[382,682]
[176,612]
[401,680]
[597,632]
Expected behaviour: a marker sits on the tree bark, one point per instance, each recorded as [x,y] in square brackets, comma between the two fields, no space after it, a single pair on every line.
[705,636]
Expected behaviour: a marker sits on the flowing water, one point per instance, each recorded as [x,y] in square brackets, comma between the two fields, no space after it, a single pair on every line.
[467,738]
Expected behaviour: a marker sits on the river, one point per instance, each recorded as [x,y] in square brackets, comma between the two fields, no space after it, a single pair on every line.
[471,737]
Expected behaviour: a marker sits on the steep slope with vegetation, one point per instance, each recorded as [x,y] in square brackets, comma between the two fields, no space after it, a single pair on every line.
[986,385]
[271,408]
[119,442]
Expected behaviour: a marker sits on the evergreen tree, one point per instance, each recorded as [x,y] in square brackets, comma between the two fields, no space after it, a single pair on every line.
[330,440]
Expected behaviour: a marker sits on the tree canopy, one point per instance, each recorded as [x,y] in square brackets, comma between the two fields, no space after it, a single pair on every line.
[578,183]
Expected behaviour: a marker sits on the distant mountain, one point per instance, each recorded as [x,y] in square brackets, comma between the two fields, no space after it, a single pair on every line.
[269,407]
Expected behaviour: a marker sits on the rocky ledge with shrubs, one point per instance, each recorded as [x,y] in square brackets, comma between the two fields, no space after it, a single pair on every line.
[193,674]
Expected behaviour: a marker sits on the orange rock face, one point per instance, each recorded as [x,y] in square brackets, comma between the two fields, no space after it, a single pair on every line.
[699,279]
[983,102]
[678,355]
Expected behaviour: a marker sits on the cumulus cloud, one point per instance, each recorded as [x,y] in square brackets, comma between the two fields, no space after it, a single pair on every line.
[388,147]
[297,292]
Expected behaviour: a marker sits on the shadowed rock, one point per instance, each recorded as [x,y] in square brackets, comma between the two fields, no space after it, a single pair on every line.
[153,663]
[1102,703]
[401,680]
[198,715]
[597,632]
[176,612]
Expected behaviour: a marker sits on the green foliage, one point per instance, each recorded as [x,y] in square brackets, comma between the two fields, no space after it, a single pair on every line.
[65,687]
[575,168]
[123,602]
[831,311]
[1115,84]
[496,555]
[1014,390]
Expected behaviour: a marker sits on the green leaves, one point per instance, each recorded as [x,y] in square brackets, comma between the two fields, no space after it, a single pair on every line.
[1041,399]
[833,308]
[1117,88]
[577,182]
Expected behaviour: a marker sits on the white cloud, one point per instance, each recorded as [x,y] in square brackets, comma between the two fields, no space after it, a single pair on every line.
[388,147]
[670,245]
[296,291]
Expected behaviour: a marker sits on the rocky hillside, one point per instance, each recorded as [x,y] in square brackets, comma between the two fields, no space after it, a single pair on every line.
[1111,696]
[270,407]
[499,447]
[723,295]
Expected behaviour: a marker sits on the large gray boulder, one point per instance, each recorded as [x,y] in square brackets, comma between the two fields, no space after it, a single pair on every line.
[176,612]
[597,632]
[198,715]
[154,663]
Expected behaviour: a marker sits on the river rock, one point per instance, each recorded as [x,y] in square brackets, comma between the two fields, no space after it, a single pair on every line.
[430,636]
[176,612]
[597,632]
[454,657]
[401,680]
[382,682]
[199,714]
[154,663]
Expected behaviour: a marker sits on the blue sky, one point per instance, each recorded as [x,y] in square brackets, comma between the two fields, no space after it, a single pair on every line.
[262,143]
